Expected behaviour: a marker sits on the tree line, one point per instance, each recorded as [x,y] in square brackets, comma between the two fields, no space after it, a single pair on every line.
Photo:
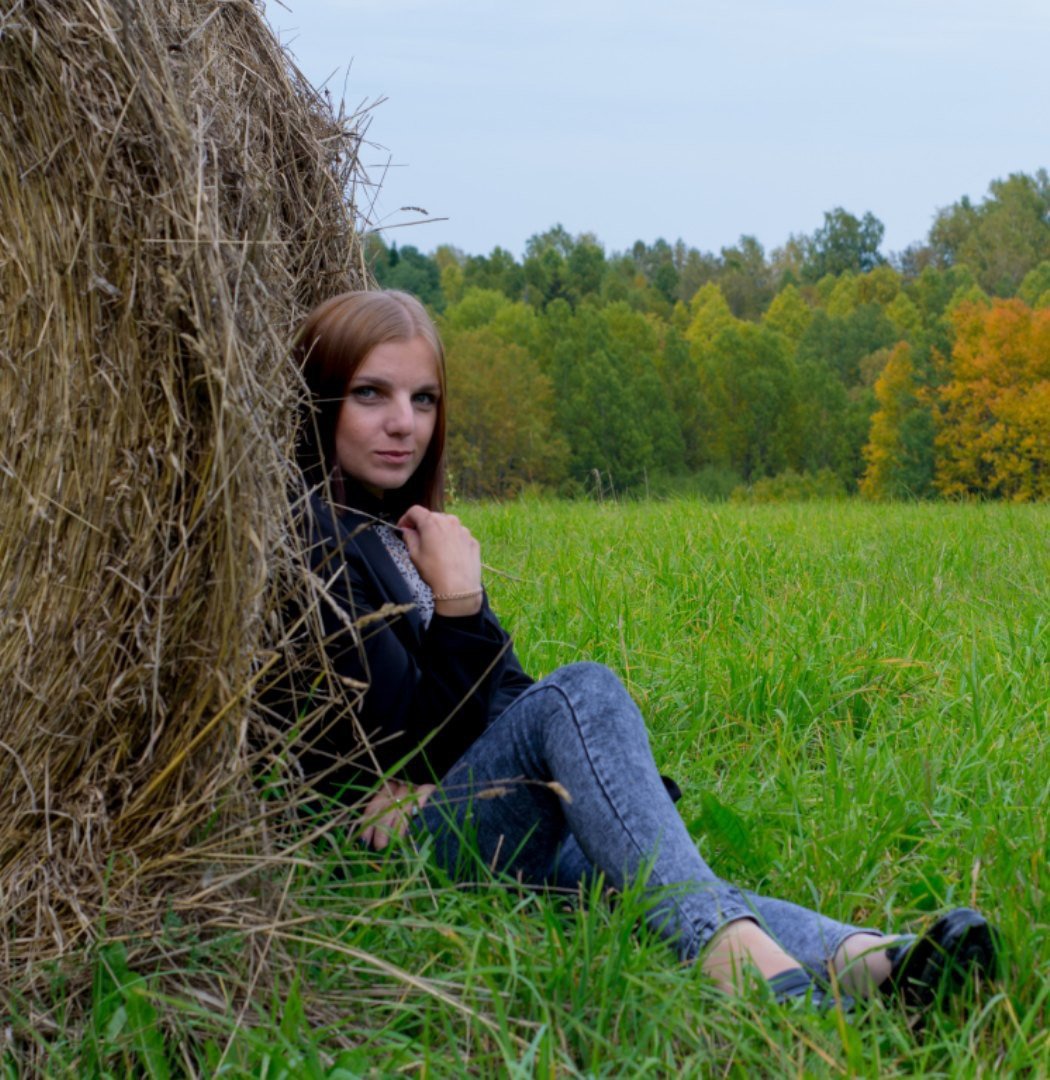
[921,374]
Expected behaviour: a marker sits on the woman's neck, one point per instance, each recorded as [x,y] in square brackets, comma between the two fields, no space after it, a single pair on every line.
[374,502]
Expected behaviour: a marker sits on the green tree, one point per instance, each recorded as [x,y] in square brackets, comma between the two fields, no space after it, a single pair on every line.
[501,425]
[635,339]
[682,381]
[879,286]
[513,322]
[787,261]
[841,344]
[656,263]
[914,260]
[611,407]
[819,429]
[586,266]
[1035,288]
[850,291]
[965,296]
[559,266]
[410,270]
[843,300]
[477,308]
[498,270]
[745,278]
[842,243]
[748,379]
[646,277]
[1003,238]
[452,282]
[931,291]
[904,315]
[624,282]
[695,269]
[950,230]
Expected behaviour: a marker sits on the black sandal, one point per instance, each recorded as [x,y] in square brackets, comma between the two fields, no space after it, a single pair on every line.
[941,960]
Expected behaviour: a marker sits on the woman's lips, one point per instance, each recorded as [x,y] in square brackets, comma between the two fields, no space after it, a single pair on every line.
[394,455]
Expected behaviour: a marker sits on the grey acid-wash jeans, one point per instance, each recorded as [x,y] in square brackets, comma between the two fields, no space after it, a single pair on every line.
[563,782]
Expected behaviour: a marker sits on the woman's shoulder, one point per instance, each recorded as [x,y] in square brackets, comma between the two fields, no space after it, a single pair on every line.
[323,527]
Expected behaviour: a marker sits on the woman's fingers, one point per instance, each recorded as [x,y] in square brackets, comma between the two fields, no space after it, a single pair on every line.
[445,553]
[375,810]
[413,517]
[388,825]
[393,823]
[429,523]
[389,811]
[411,539]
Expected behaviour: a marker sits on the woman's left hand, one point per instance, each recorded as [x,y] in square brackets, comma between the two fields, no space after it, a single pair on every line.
[389,811]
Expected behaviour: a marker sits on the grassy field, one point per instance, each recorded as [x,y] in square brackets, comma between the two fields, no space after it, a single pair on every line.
[855,700]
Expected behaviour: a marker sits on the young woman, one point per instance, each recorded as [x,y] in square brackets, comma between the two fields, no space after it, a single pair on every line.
[553,780]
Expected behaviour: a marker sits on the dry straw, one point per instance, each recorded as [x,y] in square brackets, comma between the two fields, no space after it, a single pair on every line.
[173,198]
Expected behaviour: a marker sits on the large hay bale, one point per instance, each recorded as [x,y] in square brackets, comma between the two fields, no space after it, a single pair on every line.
[173,197]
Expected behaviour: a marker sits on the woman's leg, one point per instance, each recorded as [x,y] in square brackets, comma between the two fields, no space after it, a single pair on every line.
[811,938]
[856,955]
[568,759]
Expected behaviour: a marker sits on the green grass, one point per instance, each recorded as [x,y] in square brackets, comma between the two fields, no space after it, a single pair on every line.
[855,700]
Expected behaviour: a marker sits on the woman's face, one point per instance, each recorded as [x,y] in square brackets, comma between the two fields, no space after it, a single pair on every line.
[387,418]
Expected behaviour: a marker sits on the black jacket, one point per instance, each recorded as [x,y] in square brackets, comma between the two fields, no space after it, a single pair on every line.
[431,690]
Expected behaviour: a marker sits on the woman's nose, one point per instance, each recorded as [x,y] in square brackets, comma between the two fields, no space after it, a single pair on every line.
[400,418]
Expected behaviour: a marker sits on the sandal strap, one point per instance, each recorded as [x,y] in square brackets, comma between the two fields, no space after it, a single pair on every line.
[795,982]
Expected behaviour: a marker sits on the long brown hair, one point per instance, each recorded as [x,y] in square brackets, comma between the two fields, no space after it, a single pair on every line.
[332,344]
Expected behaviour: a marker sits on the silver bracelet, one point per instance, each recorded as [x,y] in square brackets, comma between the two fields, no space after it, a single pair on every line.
[458,595]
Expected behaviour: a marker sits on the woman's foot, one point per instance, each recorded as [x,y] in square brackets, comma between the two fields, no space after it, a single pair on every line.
[939,961]
[743,946]
[862,962]
[740,946]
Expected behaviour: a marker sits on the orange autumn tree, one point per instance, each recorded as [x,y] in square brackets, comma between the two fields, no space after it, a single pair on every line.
[994,437]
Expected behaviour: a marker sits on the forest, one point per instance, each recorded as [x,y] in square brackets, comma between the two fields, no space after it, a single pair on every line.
[819,369]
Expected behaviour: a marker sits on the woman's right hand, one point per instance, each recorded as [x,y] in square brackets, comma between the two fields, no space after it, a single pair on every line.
[447,557]
[390,809]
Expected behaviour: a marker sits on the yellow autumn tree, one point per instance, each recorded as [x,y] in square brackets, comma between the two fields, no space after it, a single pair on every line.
[788,313]
[905,316]
[994,437]
[899,453]
[709,314]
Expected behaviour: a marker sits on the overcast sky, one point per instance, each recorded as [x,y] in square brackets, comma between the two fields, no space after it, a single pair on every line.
[702,120]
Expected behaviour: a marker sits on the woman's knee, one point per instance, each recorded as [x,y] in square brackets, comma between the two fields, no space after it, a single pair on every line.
[587,681]
[591,691]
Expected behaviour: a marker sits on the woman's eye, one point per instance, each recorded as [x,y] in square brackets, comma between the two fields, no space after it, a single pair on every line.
[364,393]
[426,398]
